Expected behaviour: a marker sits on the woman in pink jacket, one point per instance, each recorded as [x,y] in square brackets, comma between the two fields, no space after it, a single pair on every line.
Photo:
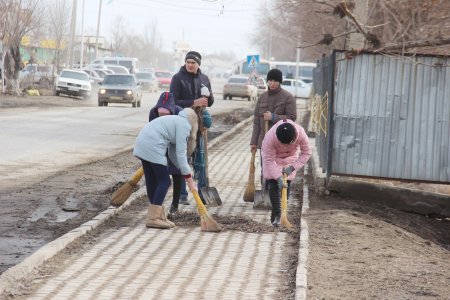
[285,149]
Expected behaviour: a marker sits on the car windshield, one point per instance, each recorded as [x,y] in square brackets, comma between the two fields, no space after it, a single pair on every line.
[118,80]
[163,74]
[237,80]
[74,75]
[143,75]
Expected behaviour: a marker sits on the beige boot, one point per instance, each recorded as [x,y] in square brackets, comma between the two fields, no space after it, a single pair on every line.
[164,217]
[154,219]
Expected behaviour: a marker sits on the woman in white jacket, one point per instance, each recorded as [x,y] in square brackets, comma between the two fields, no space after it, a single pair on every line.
[175,135]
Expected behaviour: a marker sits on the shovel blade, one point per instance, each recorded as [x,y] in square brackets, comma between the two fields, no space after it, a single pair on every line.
[262,200]
[210,196]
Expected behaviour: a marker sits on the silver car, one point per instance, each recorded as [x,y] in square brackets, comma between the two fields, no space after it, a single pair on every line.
[239,86]
[120,88]
[148,81]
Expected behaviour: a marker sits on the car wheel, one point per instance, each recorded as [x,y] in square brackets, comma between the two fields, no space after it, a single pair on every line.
[249,98]
[100,103]
[229,97]
[133,104]
[139,104]
[56,93]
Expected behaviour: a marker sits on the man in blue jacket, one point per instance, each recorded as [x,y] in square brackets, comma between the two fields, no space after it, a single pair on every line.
[192,88]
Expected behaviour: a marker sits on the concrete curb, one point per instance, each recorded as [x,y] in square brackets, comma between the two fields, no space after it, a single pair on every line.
[49,250]
[301,277]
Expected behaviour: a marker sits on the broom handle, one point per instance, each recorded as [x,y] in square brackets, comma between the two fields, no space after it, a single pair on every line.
[252,161]
[206,158]
[284,196]
[200,206]
[137,176]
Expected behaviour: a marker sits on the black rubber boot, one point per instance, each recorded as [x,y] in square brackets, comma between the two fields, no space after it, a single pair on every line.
[176,179]
[275,196]
[173,209]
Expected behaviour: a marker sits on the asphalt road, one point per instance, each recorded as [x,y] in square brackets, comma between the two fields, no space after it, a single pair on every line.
[44,141]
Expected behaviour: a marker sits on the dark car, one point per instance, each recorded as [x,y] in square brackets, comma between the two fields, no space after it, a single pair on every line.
[120,88]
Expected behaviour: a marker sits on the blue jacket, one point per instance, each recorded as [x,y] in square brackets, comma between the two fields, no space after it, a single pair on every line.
[186,87]
[165,100]
[168,134]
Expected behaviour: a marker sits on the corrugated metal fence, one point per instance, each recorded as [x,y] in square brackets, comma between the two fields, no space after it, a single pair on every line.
[386,116]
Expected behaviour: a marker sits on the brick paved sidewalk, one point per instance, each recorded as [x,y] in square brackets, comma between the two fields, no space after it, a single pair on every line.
[136,262]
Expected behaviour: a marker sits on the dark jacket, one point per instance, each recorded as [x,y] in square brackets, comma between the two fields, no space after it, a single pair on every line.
[279,102]
[165,100]
[186,87]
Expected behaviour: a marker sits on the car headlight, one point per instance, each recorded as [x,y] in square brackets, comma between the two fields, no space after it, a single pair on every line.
[102,91]
[129,92]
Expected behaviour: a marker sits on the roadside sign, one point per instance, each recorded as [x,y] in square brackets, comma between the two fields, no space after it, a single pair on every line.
[252,60]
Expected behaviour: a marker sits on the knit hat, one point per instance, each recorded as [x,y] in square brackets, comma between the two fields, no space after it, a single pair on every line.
[192,140]
[195,56]
[286,133]
[276,75]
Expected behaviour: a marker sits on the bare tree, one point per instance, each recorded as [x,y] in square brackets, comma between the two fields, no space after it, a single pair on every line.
[288,24]
[321,25]
[118,33]
[19,17]
[59,12]
[150,43]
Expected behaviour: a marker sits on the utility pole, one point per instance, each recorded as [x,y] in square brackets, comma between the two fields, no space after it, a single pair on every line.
[98,29]
[73,22]
[297,66]
[82,37]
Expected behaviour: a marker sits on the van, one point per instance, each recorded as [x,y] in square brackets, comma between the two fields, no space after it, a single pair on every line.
[128,62]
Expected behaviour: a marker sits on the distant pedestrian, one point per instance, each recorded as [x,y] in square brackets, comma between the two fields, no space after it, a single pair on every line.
[186,86]
[285,149]
[272,106]
[175,136]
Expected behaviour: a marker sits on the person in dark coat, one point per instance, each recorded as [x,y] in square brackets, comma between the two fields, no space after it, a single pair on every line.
[192,88]
[273,105]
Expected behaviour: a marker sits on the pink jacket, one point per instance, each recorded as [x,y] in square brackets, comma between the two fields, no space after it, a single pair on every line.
[276,155]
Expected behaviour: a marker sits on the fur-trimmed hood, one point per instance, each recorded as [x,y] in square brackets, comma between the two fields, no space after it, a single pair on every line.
[191,116]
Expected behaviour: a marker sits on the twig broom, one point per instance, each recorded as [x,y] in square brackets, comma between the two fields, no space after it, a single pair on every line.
[284,220]
[124,192]
[249,194]
[207,223]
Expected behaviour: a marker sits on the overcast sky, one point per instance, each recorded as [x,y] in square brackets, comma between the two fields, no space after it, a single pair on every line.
[209,26]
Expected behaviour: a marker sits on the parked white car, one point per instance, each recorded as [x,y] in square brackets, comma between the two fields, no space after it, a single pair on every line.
[73,83]
[303,89]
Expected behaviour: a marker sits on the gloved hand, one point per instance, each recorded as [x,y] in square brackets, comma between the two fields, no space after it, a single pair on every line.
[281,182]
[288,170]
[204,91]
[191,184]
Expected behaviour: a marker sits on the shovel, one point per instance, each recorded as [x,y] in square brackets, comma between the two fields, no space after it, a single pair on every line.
[262,199]
[209,194]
